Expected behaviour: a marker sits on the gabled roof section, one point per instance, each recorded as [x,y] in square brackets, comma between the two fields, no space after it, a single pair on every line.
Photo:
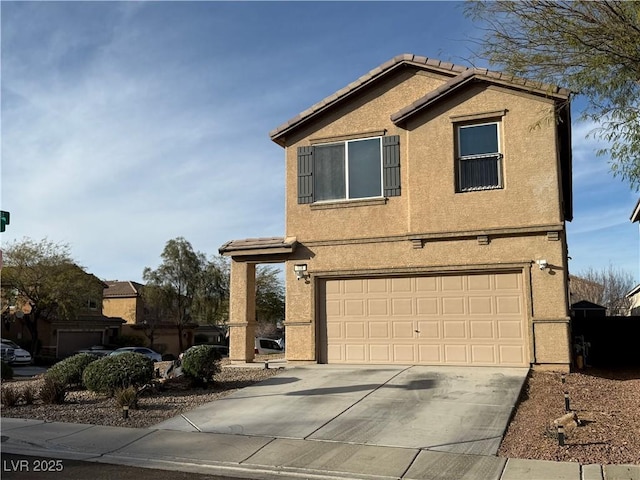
[478,75]
[116,288]
[459,76]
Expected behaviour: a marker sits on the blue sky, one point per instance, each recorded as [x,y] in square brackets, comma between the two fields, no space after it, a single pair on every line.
[126,124]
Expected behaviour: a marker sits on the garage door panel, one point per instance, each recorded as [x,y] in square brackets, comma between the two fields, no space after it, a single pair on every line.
[508,305]
[429,330]
[480,305]
[401,306]
[379,330]
[510,329]
[404,353]
[380,353]
[354,330]
[355,353]
[378,306]
[483,354]
[511,354]
[453,306]
[430,354]
[456,354]
[427,306]
[508,281]
[482,329]
[474,319]
[402,330]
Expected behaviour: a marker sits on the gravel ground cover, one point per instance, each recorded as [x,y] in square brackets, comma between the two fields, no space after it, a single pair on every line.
[82,406]
[607,404]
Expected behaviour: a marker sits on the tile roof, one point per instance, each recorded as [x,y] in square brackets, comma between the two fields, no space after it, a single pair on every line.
[252,246]
[460,76]
[116,288]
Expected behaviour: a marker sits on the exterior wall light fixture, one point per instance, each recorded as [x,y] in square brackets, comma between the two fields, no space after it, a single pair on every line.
[542,264]
[300,270]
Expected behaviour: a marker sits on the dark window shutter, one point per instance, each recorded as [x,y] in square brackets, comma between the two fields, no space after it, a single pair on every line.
[305,174]
[391,165]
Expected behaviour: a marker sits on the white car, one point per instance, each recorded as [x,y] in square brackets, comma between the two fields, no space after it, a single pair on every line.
[147,352]
[22,357]
[267,346]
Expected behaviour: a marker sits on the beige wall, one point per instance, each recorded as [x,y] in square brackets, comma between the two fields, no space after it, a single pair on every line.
[523,220]
[128,309]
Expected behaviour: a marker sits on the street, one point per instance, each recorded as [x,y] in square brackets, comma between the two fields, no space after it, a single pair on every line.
[22,467]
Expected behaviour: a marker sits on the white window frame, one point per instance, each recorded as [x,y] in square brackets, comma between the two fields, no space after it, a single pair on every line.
[460,158]
[346,143]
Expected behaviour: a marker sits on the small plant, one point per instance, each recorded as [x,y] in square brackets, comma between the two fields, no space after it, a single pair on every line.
[113,372]
[69,371]
[201,363]
[126,397]
[52,392]
[10,397]
[28,394]
[7,371]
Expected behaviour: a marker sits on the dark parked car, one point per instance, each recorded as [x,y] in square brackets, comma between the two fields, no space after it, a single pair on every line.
[8,353]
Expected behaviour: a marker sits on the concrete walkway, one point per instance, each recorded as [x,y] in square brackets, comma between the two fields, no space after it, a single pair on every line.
[264,457]
[327,422]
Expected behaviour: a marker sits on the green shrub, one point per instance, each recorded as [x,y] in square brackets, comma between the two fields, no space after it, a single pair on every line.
[52,392]
[126,397]
[6,371]
[201,363]
[10,396]
[112,372]
[28,394]
[69,371]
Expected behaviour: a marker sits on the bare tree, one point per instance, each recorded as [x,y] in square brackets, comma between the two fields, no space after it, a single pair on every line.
[607,287]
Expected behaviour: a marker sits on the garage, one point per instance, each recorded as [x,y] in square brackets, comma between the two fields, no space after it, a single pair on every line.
[71,341]
[471,319]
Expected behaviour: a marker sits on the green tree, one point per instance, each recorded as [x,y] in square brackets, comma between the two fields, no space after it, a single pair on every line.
[270,304]
[43,276]
[211,305]
[175,282]
[590,47]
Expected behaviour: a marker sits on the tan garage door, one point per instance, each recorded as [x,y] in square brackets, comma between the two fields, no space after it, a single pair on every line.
[476,319]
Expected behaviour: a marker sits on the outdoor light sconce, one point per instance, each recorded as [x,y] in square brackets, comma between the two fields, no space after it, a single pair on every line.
[542,264]
[300,270]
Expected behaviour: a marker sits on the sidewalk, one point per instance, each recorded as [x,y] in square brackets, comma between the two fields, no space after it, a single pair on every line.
[263,457]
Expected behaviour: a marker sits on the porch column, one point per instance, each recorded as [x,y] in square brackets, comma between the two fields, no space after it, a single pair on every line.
[242,311]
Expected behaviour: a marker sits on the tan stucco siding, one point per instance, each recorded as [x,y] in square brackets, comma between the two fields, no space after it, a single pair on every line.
[125,308]
[369,113]
[545,295]
[530,194]
[429,201]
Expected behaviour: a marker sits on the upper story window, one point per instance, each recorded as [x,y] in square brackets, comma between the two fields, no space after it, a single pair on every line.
[353,169]
[348,170]
[92,304]
[479,158]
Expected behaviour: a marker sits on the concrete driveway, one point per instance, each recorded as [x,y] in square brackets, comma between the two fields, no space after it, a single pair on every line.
[446,409]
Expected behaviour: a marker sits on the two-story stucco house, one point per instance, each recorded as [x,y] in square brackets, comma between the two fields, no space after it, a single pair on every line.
[425,223]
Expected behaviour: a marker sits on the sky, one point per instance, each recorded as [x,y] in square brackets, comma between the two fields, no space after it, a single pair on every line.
[127,124]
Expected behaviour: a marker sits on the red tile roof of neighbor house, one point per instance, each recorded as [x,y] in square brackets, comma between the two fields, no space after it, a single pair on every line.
[122,289]
[460,76]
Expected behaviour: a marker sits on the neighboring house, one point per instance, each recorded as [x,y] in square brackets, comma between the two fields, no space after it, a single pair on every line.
[634,294]
[61,337]
[124,299]
[425,223]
